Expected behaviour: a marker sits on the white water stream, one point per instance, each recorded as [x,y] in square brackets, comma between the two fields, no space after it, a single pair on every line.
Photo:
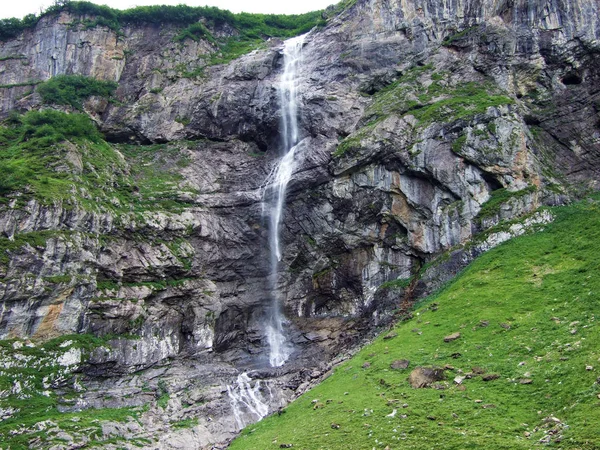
[274,196]
[246,401]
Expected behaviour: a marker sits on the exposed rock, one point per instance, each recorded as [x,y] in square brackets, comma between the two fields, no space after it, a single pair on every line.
[422,377]
[452,337]
[400,364]
[459,379]
[490,377]
[377,195]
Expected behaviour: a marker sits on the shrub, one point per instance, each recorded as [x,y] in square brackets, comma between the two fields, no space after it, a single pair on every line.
[49,127]
[73,89]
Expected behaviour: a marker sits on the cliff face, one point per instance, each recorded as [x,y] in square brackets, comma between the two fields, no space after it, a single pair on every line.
[425,128]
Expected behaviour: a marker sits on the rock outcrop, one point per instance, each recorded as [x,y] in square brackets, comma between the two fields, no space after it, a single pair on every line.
[430,131]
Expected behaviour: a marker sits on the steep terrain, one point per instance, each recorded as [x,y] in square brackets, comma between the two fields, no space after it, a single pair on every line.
[522,372]
[135,249]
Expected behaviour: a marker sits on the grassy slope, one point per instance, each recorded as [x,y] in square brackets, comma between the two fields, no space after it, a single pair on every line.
[539,293]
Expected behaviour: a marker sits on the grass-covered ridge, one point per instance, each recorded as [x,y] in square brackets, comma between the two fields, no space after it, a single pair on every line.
[526,312]
[247,24]
[54,157]
[243,31]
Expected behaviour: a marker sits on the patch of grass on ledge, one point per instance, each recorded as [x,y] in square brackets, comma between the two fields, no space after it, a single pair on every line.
[526,311]
[499,197]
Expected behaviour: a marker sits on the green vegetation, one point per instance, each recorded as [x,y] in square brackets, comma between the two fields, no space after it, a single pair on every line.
[59,279]
[73,89]
[26,395]
[499,197]
[34,239]
[422,93]
[457,145]
[157,285]
[32,158]
[195,32]
[12,57]
[526,311]
[400,283]
[39,161]
[436,102]
[26,83]
[462,102]
[453,38]
[185,423]
[251,29]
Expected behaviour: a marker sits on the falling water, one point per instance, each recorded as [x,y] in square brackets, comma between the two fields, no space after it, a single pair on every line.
[246,401]
[280,348]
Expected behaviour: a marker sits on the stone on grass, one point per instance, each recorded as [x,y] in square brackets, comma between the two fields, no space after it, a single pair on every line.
[452,337]
[459,379]
[423,377]
[400,364]
[490,377]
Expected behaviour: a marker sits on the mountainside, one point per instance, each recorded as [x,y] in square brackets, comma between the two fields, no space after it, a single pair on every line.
[135,249]
[504,357]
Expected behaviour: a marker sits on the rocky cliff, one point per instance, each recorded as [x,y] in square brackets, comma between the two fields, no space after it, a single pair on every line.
[430,131]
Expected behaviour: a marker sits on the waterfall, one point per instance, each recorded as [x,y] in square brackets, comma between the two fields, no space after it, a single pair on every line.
[274,196]
[246,401]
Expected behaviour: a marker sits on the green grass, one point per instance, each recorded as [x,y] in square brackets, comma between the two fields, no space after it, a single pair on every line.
[499,197]
[435,103]
[453,38]
[38,154]
[525,310]
[34,239]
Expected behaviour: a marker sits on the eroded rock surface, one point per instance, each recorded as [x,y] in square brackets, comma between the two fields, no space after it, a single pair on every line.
[424,129]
